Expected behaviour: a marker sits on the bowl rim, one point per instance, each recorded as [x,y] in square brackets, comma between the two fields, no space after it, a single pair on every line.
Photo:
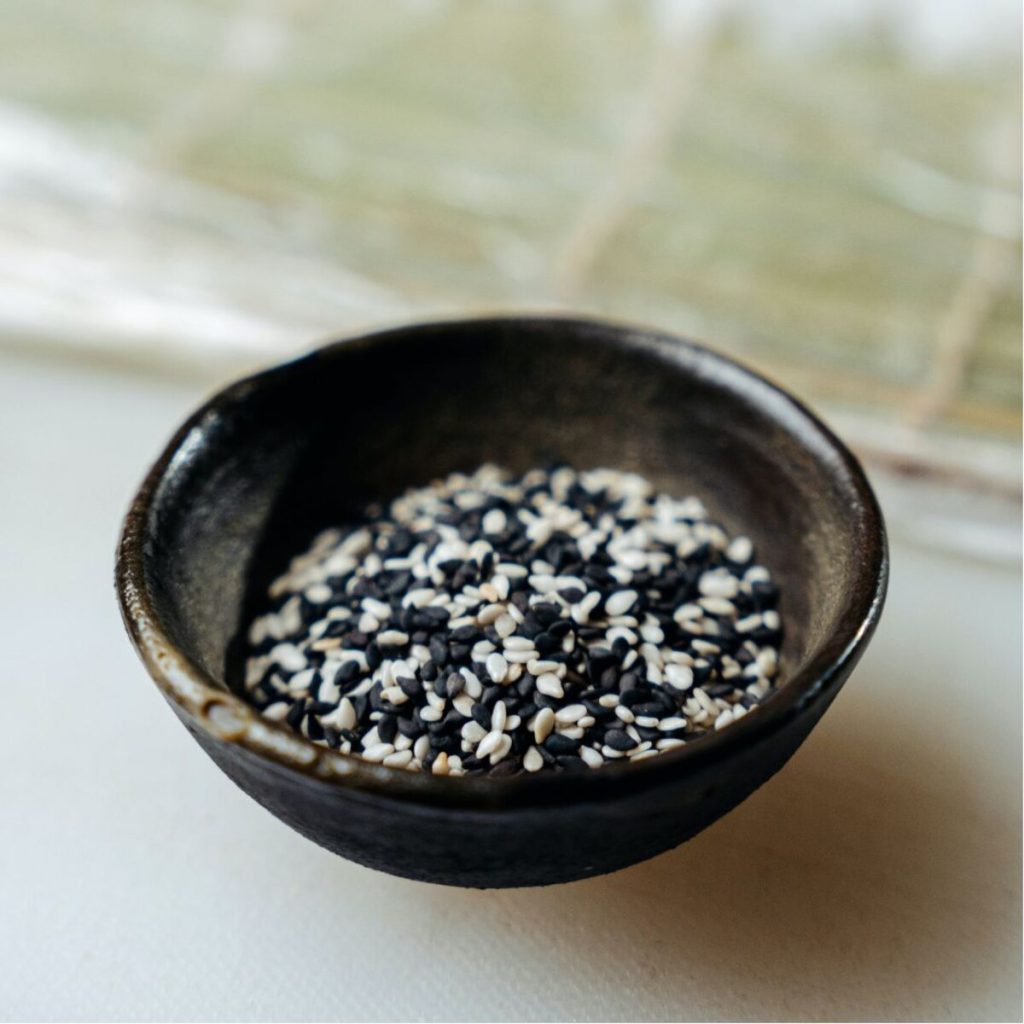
[204,702]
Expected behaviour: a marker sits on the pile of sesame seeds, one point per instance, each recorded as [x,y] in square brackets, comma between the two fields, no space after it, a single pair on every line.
[557,620]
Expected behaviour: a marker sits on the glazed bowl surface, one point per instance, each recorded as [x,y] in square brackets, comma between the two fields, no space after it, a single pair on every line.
[253,474]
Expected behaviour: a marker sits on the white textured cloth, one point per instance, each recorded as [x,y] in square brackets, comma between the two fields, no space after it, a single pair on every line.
[877,876]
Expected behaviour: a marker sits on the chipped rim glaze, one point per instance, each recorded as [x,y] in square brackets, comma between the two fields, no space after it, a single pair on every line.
[208,705]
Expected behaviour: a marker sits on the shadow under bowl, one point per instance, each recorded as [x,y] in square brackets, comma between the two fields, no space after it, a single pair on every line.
[251,477]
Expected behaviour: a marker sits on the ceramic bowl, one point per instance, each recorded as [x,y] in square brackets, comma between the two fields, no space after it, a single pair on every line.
[250,477]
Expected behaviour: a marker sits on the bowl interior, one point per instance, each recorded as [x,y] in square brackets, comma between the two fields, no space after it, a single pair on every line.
[304,446]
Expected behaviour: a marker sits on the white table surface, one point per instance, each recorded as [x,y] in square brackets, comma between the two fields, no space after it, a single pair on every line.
[878,876]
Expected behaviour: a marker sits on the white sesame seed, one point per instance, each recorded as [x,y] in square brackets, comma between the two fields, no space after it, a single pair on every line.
[440,765]
[278,711]
[378,609]
[581,612]
[499,714]
[494,521]
[518,643]
[520,657]
[643,755]
[505,626]
[740,550]
[318,593]
[502,750]
[624,713]
[570,714]
[342,717]
[620,602]
[463,703]
[652,634]
[378,751]
[473,732]
[299,683]
[679,677]
[289,657]
[490,743]
[419,598]
[512,570]
[473,685]
[543,723]
[670,744]
[497,667]
[704,700]
[620,633]
[670,724]
[550,685]
[481,649]
[532,760]
[543,583]
[490,613]
[538,666]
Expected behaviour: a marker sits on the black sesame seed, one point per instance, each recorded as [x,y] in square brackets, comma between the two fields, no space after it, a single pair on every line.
[558,744]
[570,762]
[618,740]
[296,713]
[410,687]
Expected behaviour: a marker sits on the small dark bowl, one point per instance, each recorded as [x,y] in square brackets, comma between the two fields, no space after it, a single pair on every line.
[252,475]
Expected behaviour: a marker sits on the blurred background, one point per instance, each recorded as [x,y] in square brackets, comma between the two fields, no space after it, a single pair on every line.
[829,191]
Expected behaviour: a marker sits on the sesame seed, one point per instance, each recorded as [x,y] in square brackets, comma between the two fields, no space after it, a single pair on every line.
[502,750]
[498,716]
[532,760]
[494,521]
[679,677]
[490,613]
[497,667]
[543,723]
[620,602]
[550,685]
[505,625]
[490,743]
[518,643]
[378,751]
[572,618]
[570,714]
